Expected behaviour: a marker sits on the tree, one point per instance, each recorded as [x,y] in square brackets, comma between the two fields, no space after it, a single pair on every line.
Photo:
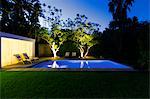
[52,17]
[84,41]
[83,34]
[20,16]
[119,26]
[90,42]
[80,30]
[119,8]
[5,9]
[55,39]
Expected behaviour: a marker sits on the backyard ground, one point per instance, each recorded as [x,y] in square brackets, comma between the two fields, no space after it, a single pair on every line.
[47,84]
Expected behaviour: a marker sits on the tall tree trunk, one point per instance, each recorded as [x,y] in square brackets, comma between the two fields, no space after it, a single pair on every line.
[81,52]
[87,51]
[54,53]
[54,50]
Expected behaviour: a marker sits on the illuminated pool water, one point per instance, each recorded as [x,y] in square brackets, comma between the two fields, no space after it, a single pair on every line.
[79,64]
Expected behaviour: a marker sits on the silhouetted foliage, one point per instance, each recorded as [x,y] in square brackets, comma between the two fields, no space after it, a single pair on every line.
[52,17]
[20,16]
[126,39]
[130,45]
[119,9]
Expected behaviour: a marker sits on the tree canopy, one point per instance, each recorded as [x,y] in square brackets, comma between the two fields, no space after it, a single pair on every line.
[20,16]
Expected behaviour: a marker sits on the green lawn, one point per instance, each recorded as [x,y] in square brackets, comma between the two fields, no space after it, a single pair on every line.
[74,84]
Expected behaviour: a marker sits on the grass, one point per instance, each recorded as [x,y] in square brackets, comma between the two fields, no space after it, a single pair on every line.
[37,85]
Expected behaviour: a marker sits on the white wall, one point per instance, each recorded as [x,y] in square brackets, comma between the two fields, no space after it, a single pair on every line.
[10,46]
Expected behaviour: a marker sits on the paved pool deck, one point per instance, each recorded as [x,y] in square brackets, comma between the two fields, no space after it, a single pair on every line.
[21,65]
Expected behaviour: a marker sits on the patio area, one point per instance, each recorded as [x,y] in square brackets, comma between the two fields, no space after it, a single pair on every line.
[23,67]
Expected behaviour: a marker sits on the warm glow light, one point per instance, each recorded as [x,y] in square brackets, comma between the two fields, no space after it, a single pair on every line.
[10,47]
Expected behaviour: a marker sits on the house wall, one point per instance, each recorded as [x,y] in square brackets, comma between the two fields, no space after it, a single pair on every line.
[10,47]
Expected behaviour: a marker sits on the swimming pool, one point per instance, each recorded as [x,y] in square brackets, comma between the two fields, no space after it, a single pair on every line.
[82,64]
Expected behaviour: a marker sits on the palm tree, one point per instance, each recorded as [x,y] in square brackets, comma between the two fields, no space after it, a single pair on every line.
[119,8]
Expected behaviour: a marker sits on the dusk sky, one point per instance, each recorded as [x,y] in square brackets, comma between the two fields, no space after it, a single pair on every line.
[97,10]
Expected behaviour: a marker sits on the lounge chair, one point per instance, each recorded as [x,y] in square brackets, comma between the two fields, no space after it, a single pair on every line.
[19,58]
[29,59]
[74,54]
[67,54]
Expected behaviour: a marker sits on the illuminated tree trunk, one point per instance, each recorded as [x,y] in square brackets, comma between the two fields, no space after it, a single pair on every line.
[54,53]
[81,52]
[87,51]
[54,50]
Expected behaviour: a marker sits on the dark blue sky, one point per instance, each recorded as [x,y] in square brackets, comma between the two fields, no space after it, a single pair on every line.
[97,10]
